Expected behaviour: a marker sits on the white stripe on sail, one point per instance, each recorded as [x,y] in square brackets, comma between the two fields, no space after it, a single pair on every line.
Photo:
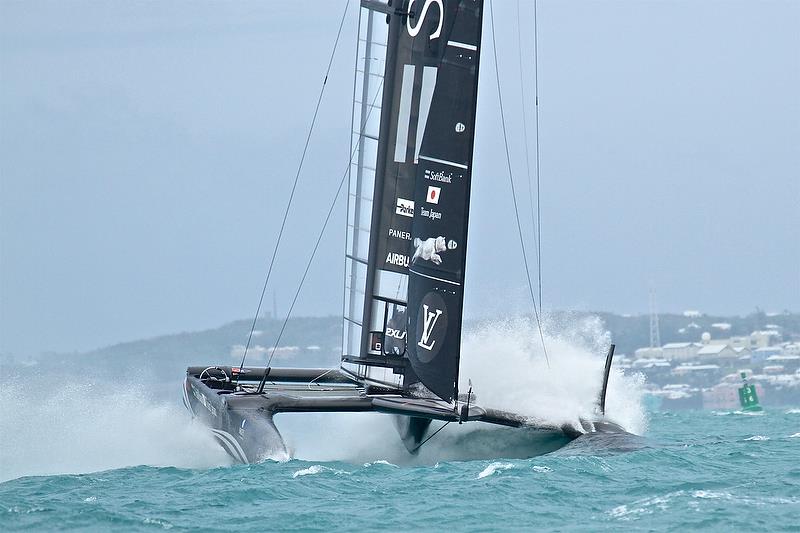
[434,278]
[444,162]
[404,115]
[465,46]
[425,97]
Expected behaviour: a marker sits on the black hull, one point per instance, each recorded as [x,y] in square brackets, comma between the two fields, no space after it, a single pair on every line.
[242,420]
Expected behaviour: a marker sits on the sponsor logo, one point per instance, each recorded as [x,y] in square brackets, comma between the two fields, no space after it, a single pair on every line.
[429,249]
[414,30]
[405,207]
[396,259]
[430,213]
[241,428]
[431,326]
[460,127]
[399,234]
[433,194]
[440,176]
[202,399]
[430,317]
[398,334]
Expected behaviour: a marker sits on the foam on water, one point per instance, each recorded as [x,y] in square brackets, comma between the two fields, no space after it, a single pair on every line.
[494,467]
[380,462]
[51,427]
[317,469]
[311,470]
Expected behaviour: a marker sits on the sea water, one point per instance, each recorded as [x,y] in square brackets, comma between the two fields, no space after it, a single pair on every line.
[89,454]
[715,471]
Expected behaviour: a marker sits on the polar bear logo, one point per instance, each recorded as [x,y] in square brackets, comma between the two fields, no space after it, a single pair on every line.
[429,249]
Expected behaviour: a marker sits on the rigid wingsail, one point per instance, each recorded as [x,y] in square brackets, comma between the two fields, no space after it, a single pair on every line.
[408,209]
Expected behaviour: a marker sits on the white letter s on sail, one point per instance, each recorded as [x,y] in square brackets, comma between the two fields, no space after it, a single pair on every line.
[414,30]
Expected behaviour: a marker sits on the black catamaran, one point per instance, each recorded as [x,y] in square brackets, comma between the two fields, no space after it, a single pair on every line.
[408,206]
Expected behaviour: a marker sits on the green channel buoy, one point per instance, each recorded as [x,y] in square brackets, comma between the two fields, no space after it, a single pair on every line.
[748,397]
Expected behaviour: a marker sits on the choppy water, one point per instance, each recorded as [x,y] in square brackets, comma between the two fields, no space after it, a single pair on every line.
[715,471]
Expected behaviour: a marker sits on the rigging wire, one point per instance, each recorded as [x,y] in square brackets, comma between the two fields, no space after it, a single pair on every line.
[378,93]
[302,280]
[431,436]
[294,187]
[513,189]
[538,189]
[527,151]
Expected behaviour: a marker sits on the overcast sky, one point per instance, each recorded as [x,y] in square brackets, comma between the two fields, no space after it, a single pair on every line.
[147,150]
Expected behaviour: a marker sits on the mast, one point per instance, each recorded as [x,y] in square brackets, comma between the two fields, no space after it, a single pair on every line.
[365,317]
[409,191]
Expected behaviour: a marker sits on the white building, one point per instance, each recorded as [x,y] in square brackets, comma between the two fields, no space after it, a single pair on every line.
[718,351]
[680,350]
[762,339]
[648,353]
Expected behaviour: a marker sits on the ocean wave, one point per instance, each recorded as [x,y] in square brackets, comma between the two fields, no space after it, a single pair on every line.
[758,438]
[380,462]
[494,467]
[317,469]
[711,495]
[644,506]
[164,524]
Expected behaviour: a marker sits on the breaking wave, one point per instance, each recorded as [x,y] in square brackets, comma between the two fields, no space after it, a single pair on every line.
[317,469]
[494,467]
[79,427]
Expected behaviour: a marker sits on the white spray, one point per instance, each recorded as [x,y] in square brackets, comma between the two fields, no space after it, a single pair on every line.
[49,427]
[506,363]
